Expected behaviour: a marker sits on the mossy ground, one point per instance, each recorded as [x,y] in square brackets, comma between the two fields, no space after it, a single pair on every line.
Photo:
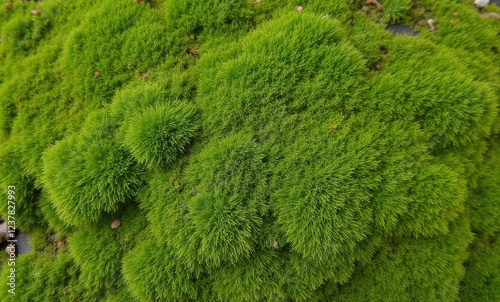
[253,150]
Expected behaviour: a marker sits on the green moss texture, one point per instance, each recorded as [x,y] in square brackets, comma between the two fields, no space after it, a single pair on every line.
[241,150]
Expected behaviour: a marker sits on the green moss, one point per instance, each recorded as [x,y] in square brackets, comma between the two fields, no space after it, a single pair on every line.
[219,221]
[410,269]
[8,111]
[135,98]
[322,206]
[436,199]
[484,203]
[159,134]
[40,277]
[277,153]
[280,69]
[394,10]
[231,167]
[482,278]
[208,17]
[451,107]
[108,43]
[153,273]
[24,208]
[89,174]
[50,215]
[225,228]
[259,278]
[98,250]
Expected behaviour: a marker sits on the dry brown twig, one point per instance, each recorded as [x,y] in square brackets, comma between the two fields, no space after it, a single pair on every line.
[376,3]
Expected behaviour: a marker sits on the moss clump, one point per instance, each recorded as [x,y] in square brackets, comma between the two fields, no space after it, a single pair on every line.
[89,173]
[231,166]
[23,207]
[165,278]
[40,277]
[452,109]
[484,203]
[107,43]
[159,134]
[209,17]
[98,250]
[277,150]
[50,215]
[216,209]
[481,281]
[394,10]
[436,199]
[252,280]
[135,98]
[397,269]
[282,69]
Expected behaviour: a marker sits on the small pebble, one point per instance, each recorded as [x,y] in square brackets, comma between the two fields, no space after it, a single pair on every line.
[431,24]
[481,3]
[116,223]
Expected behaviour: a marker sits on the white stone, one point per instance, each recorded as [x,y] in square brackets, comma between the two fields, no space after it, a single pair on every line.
[481,3]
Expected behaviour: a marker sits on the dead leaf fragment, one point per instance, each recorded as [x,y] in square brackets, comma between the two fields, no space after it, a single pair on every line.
[376,3]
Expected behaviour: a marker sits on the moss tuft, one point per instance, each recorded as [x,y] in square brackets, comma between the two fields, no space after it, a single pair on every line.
[159,134]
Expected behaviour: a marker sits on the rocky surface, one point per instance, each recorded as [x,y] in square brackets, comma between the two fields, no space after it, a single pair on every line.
[401,29]
[23,245]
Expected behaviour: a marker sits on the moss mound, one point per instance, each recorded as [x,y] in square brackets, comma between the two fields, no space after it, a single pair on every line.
[89,174]
[251,150]
[157,135]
